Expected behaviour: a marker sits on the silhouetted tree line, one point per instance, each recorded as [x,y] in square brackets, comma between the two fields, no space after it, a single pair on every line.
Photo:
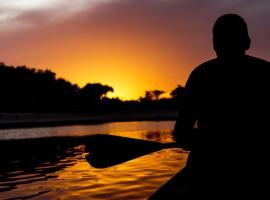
[25,89]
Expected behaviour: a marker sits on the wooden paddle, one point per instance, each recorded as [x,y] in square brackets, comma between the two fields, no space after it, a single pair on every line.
[109,150]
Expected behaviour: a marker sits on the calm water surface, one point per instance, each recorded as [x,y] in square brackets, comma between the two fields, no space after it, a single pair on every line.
[62,172]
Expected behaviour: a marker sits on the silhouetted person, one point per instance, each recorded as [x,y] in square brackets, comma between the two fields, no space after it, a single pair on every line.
[228,99]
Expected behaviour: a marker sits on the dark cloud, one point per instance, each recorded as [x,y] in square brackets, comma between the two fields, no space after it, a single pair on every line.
[178,19]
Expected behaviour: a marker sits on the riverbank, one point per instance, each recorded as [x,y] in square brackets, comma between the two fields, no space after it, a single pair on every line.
[27,120]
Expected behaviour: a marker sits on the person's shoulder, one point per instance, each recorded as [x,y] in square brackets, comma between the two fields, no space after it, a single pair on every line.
[205,67]
[201,72]
[257,61]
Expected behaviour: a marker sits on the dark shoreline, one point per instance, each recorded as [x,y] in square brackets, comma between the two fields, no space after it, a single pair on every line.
[31,120]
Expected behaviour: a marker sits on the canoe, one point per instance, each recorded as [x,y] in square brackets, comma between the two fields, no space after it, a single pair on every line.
[177,188]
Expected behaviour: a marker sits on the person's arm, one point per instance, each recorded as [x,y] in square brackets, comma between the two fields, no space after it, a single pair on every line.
[183,130]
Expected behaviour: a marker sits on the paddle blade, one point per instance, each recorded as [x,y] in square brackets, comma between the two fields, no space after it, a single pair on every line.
[108,150]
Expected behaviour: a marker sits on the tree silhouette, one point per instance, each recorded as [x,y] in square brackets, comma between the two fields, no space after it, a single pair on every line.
[177,92]
[157,93]
[26,89]
[152,95]
[95,92]
[148,96]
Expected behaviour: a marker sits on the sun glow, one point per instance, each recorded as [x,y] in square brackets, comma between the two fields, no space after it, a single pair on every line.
[133,46]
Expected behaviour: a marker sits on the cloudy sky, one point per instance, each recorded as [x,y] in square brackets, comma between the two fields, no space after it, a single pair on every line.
[131,45]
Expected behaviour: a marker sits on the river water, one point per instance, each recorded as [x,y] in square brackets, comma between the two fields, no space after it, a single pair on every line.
[63,172]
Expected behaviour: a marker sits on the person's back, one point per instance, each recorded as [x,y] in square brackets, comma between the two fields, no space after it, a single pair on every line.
[228,97]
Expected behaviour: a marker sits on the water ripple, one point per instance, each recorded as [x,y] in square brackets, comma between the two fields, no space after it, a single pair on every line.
[64,173]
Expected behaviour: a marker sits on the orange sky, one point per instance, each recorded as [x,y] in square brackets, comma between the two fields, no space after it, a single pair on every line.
[130,45]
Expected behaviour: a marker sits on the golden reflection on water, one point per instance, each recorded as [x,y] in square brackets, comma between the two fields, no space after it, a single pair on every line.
[162,136]
[70,176]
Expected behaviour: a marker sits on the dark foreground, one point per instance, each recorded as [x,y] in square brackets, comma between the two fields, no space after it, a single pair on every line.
[177,188]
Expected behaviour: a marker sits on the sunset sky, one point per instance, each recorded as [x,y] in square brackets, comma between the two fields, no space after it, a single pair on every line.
[131,45]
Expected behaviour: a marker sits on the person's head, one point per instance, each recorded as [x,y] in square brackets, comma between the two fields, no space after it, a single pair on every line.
[230,36]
